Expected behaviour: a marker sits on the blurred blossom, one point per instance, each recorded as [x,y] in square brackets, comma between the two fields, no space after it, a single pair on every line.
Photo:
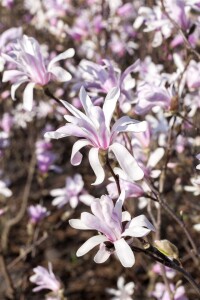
[37,213]
[6,122]
[72,193]
[4,190]
[198,166]
[115,236]
[150,95]
[131,189]
[161,293]
[8,36]
[7,3]
[193,75]
[31,67]
[170,273]
[45,156]
[94,129]
[45,279]
[177,11]
[195,187]
[123,291]
[22,117]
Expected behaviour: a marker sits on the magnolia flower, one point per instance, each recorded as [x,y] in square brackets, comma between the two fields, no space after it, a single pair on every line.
[37,213]
[161,293]
[94,130]
[124,291]
[198,166]
[45,279]
[115,237]
[170,273]
[29,66]
[72,193]
[195,187]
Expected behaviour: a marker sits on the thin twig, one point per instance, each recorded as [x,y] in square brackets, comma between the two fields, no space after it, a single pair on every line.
[116,177]
[10,223]
[4,271]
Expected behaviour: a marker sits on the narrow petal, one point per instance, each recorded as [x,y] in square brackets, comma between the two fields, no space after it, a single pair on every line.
[110,104]
[118,206]
[129,70]
[15,86]
[61,74]
[76,156]
[136,232]
[28,96]
[85,101]
[141,221]
[78,224]
[11,74]
[125,124]
[102,255]
[67,54]
[124,253]
[155,157]
[90,244]
[96,166]
[127,162]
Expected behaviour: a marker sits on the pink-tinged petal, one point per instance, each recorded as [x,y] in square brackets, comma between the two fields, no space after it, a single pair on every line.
[127,162]
[11,74]
[67,54]
[118,206]
[85,101]
[78,224]
[15,86]
[136,231]
[96,166]
[73,202]
[110,104]
[125,124]
[141,221]
[102,255]
[90,244]
[28,96]
[86,199]
[61,74]
[155,157]
[124,253]
[76,156]
[130,69]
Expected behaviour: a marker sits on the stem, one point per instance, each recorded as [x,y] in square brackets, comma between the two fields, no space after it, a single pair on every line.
[116,177]
[50,95]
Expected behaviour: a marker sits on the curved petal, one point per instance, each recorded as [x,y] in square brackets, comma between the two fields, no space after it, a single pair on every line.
[125,124]
[136,232]
[15,86]
[110,104]
[76,156]
[127,162]
[61,74]
[85,101]
[64,55]
[90,244]
[124,253]
[28,96]
[78,224]
[141,221]
[155,157]
[96,166]
[11,74]
[102,255]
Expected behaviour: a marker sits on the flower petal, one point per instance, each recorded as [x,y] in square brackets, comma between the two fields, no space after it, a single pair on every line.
[85,101]
[124,253]
[102,255]
[110,104]
[28,96]
[96,166]
[155,157]
[64,55]
[15,86]
[90,244]
[127,162]
[78,224]
[76,156]
[61,74]
[136,231]
[141,221]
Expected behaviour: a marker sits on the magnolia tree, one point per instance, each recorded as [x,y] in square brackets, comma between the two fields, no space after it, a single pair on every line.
[100,149]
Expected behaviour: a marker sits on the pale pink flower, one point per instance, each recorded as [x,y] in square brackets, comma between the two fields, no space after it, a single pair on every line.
[93,128]
[37,213]
[30,66]
[72,193]
[123,291]
[115,235]
[161,293]
[45,279]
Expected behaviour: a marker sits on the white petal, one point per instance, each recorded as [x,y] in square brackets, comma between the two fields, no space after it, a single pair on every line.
[61,74]
[11,74]
[28,96]
[86,199]
[90,244]
[136,232]
[96,166]
[76,156]
[126,216]
[155,157]
[67,54]
[110,104]
[141,221]
[85,101]
[127,162]
[14,87]
[78,224]
[101,256]
[124,253]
